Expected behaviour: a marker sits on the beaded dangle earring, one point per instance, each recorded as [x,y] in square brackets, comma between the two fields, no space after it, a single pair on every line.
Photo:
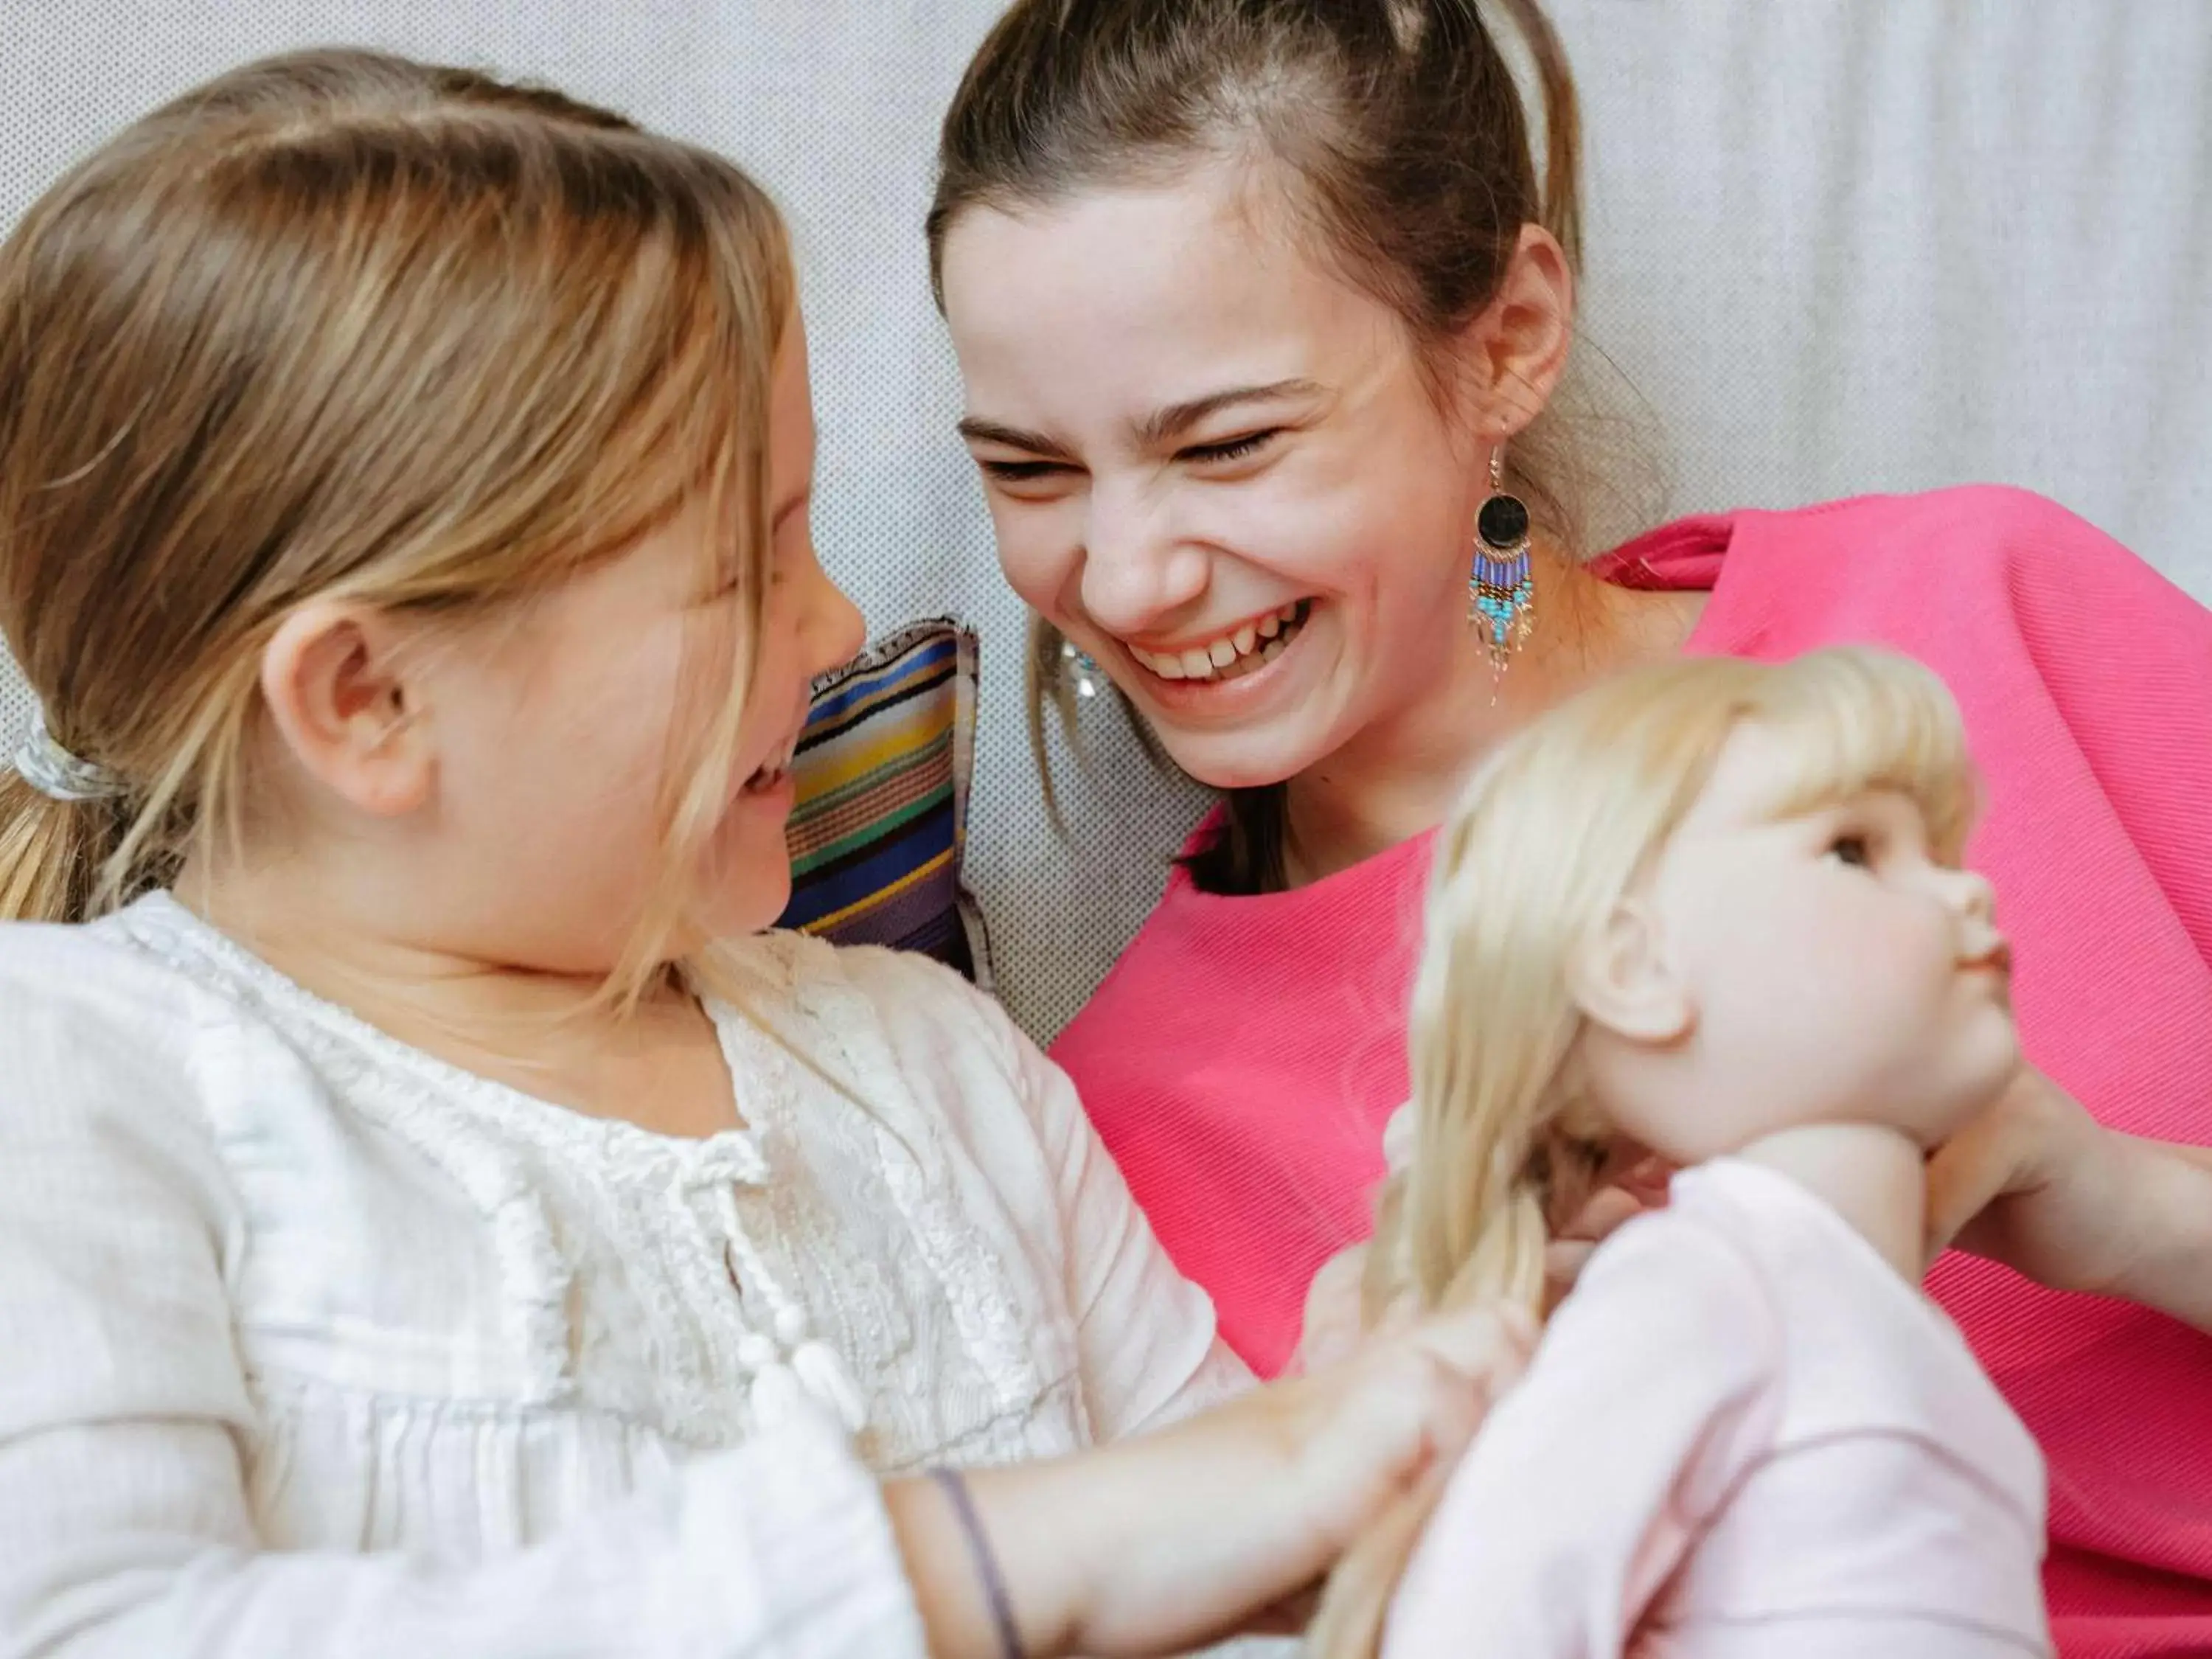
[1501,591]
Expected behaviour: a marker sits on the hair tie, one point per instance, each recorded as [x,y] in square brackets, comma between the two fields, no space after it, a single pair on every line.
[55,773]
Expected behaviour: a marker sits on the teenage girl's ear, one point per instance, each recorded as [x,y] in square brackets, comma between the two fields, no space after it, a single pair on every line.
[334,681]
[1515,350]
[1625,983]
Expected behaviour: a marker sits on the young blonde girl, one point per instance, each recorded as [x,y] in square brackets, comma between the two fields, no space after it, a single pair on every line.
[406,1242]
[1813,989]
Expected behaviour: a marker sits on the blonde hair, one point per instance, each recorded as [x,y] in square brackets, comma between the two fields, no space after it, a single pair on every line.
[1553,832]
[339,325]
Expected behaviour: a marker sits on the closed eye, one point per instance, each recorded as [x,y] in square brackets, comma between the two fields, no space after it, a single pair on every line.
[1232,449]
[1216,454]
[1019,472]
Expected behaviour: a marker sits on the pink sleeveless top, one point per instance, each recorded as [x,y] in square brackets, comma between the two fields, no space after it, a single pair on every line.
[1241,1057]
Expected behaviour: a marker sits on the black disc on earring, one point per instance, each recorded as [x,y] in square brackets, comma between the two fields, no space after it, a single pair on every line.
[1503,524]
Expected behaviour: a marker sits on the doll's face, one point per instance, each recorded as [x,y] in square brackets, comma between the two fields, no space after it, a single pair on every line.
[1829,968]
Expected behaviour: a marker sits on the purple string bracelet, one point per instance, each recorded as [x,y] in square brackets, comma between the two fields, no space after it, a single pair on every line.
[987,1564]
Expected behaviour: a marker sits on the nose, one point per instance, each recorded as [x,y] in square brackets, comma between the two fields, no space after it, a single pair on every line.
[1137,572]
[1969,893]
[836,630]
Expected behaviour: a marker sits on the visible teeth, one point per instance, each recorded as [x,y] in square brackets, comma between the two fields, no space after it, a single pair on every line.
[1253,644]
[773,769]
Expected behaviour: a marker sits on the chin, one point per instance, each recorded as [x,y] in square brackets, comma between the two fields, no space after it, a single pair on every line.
[2001,1063]
[1234,760]
[739,903]
[1985,1075]
[742,915]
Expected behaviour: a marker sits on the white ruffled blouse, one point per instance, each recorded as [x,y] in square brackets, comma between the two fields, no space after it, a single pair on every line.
[311,1344]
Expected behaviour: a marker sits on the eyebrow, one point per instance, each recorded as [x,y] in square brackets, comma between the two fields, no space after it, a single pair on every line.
[977,430]
[1156,427]
[1162,424]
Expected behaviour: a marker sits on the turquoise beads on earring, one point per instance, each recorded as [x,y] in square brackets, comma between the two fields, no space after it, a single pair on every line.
[1501,588]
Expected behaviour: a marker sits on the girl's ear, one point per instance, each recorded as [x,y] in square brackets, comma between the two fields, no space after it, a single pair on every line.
[1623,982]
[1514,352]
[338,694]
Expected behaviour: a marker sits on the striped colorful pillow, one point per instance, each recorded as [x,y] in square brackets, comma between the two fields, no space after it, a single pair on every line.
[881,820]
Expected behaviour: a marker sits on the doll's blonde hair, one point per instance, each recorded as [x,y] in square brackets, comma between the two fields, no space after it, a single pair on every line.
[1552,834]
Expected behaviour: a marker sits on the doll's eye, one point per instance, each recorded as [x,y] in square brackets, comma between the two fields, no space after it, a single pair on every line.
[1852,849]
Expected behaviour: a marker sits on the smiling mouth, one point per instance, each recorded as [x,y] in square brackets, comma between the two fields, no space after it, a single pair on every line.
[775,772]
[1245,649]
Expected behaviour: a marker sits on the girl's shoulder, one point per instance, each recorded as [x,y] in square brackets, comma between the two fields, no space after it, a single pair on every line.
[109,1061]
[93,993]
[1961,577]
[896,993]
[886,1024]
[1970,538]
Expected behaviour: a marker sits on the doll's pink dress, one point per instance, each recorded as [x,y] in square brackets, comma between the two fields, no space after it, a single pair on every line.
[1743,1434]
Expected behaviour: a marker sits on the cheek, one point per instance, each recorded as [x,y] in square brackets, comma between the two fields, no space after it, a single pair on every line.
[1770,952]
[585,743]
[1394,563]
[1340,545]
[1881,971]
[589,778]
[1367,521]
[634,742]
[1038,544]
[782,683]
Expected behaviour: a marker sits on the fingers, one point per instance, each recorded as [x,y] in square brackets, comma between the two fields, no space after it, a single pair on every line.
[1633,1182]
[1288,1617]
[1437,1378]
[1607,1208]
[1374,1428]
[1646,1179]
[1642,1186]
[1333,1327]
[1408,1407]
[1964,1175]
[1999,1152]
[1563,1261]
[1636,1167]
[1488,1347]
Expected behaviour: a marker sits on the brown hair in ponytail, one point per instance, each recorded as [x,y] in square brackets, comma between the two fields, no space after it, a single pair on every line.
[1404,135]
